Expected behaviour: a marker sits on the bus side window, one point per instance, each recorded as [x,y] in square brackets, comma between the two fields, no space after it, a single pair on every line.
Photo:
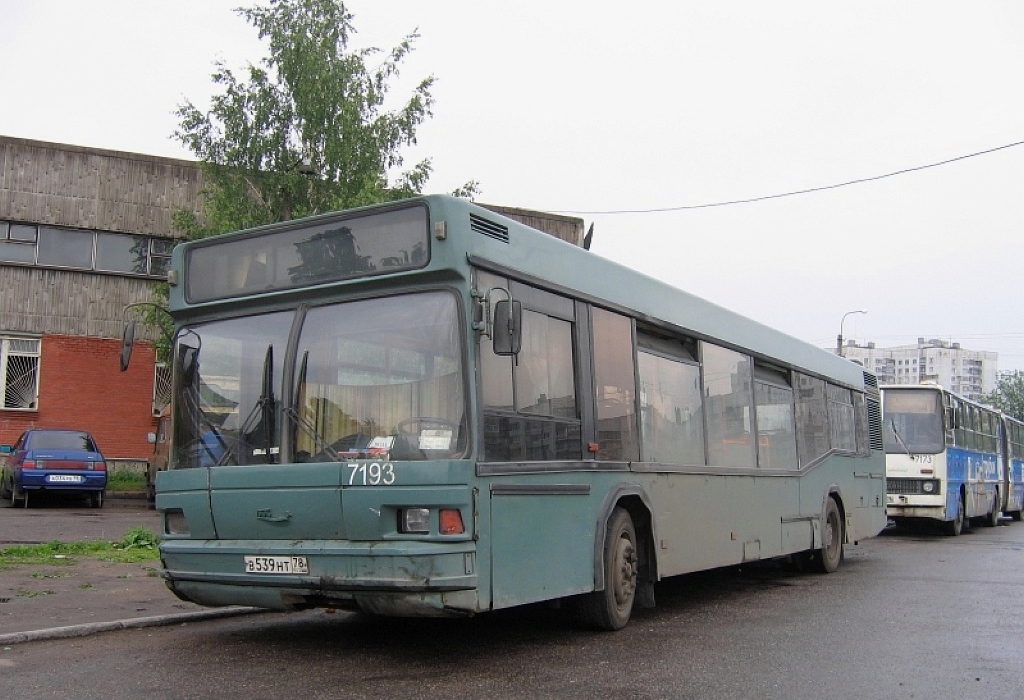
[728,407]
[615,386]
[812,424]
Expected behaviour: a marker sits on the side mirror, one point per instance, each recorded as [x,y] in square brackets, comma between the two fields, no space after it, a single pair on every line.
[508,327]
[127,341]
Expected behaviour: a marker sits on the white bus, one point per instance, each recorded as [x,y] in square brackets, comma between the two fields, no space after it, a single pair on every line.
[946,458]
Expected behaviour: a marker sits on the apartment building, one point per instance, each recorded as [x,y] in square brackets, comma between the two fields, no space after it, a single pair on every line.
[970,373]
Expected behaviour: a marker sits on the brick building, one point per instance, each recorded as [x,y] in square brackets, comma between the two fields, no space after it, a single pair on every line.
[83,232]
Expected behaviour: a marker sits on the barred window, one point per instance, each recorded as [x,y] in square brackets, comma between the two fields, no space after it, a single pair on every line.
[19,373]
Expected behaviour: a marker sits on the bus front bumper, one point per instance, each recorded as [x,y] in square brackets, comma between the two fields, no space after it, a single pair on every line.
[916,506]
[387,578]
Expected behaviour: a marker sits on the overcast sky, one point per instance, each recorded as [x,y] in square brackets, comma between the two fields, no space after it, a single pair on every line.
[592,107]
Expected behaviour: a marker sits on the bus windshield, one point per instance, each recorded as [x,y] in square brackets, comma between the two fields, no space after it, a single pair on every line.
[913,422]
[381,376]
[374,378]
[227,387]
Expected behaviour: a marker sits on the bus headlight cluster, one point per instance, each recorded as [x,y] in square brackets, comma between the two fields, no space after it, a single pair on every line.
[930,487]
[417,521]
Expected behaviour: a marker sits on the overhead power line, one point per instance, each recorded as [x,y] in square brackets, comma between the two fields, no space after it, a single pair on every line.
[762,198]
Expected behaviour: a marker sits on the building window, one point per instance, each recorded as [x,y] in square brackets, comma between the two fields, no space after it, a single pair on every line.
[19,373]
[80,249]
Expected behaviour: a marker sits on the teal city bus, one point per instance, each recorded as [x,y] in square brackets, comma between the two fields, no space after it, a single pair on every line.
[425,408]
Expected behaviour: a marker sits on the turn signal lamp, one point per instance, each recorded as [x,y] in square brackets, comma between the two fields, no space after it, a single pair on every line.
[451,522]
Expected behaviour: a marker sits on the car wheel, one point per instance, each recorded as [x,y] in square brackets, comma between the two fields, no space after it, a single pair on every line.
[97,499]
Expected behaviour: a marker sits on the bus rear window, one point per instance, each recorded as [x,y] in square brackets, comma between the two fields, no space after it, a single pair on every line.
[301,255]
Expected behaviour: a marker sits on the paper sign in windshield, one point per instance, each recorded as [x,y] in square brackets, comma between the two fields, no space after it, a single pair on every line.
[381,443]
[435,439]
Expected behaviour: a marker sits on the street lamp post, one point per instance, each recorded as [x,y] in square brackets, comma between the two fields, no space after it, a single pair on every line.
[839,338]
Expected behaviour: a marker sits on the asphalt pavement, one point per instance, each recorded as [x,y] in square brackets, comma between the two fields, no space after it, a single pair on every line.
[86,596]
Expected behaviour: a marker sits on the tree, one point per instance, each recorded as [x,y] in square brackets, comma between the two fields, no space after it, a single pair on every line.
[305,131]
[1008,395]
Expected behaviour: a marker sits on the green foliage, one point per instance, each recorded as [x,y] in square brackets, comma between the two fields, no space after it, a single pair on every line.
[1008,395]
[125,480]
[138,544]
[139,538]
[306,130]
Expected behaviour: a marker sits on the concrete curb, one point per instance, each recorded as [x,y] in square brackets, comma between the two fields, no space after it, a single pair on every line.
[133,623]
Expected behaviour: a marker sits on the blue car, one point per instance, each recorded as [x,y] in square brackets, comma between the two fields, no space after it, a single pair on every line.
[60,461]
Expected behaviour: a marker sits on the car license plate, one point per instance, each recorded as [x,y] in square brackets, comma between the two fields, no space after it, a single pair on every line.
[63,479]
[276,565]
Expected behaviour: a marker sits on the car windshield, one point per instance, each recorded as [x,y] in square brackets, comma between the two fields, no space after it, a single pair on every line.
[913,421]
[61,440]
[371,378]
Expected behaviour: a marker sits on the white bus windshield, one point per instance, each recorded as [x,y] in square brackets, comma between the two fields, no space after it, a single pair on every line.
[912,422]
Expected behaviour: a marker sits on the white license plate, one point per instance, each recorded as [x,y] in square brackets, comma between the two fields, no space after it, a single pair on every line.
[276,565]
[64,479]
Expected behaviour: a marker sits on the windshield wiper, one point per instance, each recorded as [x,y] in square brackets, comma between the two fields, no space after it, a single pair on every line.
[262,414]
[304,423]
[899,438]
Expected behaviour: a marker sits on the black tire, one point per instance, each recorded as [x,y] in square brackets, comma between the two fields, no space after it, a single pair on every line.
[611,608]
[827,558]
[993,518]
[96,499]
[18,494]
[956,525]
[1015,516]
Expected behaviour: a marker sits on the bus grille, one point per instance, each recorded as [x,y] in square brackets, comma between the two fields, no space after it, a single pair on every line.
[875,424]
[488,228]
[870,381]
[912,487]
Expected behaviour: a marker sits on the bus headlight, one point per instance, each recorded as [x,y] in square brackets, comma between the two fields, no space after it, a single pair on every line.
[415,520]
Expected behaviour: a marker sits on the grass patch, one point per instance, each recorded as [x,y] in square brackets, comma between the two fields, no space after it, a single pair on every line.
[122,479]
[138,544]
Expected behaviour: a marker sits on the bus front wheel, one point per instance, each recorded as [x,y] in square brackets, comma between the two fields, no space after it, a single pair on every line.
[831,552]
[610,609]
[956,525]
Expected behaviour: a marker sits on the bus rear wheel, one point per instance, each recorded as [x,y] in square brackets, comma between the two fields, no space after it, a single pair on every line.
[611,608]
